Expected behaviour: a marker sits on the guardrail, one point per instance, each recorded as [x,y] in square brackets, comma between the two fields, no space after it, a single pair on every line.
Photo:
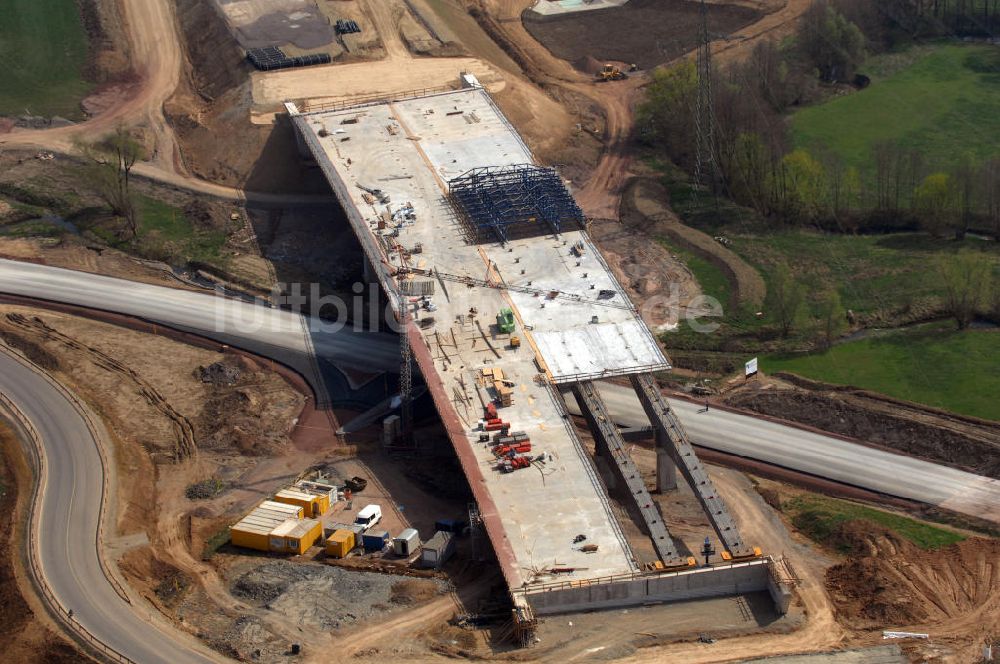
[564,379]
[54,605]
[375,99]
[376,257]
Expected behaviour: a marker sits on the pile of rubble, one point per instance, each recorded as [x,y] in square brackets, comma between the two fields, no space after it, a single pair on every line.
[219,374]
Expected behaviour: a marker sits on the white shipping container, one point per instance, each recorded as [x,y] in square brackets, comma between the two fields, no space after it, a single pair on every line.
[438,549]
[406,543]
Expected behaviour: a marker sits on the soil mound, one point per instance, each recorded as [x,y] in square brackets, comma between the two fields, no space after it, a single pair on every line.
[907,429]
[889,582]
[589,65]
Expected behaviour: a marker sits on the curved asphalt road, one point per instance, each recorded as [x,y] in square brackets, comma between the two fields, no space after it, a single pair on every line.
[819,455]
[68,519]
[72,497]
[285,336]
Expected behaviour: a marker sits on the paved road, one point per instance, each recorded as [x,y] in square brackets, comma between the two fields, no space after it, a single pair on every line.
[72,497]
[823,456]
[280,334]
[68,520]
[275,333]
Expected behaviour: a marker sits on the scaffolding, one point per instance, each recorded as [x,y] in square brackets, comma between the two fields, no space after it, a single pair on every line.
[514,199]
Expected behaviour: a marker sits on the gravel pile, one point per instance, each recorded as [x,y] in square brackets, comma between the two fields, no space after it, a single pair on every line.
[206,489]
[319,596]
[248,639]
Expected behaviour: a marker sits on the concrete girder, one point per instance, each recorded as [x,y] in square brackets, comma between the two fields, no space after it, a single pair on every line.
[608,436]
[687,461]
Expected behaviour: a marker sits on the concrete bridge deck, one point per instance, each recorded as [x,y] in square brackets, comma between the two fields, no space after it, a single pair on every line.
[409,150]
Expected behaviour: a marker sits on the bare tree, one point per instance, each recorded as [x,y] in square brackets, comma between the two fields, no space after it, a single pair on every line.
[784,299]
[831,316]
[108,169]
[967,280]
[991,194]
[967,193]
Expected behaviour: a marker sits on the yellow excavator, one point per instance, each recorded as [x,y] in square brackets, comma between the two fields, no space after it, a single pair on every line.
[610,72]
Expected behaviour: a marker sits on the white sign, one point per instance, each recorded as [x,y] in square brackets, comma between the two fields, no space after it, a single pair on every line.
[751,367]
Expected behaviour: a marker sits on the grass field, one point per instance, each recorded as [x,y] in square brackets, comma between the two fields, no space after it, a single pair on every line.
[818,516]
[943,105]
[872,272]
[712,280]
[43,47]
[166,234]
[931,364]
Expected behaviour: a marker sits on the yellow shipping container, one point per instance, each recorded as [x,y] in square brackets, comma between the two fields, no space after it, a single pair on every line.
[253,530]
[340,543]
[308,502]
[296,536]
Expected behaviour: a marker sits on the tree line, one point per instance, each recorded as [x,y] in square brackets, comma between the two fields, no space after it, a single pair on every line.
[968,286]
[755,164]
[895,21]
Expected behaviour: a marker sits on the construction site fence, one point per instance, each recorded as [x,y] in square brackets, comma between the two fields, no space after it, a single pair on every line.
[569,379]
[375,99]
[632,576]
[56,608]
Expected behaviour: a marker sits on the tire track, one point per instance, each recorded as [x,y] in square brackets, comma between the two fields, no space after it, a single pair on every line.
[184,443]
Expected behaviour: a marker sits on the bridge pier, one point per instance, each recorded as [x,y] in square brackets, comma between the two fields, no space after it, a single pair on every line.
[666,469]
[672,437]
[606,434]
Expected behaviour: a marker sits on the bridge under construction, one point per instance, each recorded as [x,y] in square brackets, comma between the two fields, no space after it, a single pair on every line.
[505,303]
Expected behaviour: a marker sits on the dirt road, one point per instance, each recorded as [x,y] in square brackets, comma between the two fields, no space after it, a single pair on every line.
[385,15]
[776,25]
[157,60]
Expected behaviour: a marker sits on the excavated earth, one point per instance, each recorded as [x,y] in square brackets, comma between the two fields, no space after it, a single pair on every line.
[966,443]
[645,32]
[889,583]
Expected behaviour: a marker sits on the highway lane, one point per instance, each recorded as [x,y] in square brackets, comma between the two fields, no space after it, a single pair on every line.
[68,520]
[276,333]
[283,335]
[819,455]
[70,505]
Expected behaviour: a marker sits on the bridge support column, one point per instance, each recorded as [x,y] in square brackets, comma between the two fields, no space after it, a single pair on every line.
[606,433]
[666,469]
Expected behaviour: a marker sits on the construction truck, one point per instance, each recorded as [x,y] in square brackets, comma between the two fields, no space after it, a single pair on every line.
[610,72]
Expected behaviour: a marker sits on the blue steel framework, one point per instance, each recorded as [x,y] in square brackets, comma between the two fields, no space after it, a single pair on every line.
[498,198]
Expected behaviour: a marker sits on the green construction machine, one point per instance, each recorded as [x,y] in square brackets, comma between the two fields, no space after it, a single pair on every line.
[505,320]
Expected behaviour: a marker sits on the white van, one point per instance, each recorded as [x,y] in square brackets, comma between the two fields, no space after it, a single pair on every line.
[369,516]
